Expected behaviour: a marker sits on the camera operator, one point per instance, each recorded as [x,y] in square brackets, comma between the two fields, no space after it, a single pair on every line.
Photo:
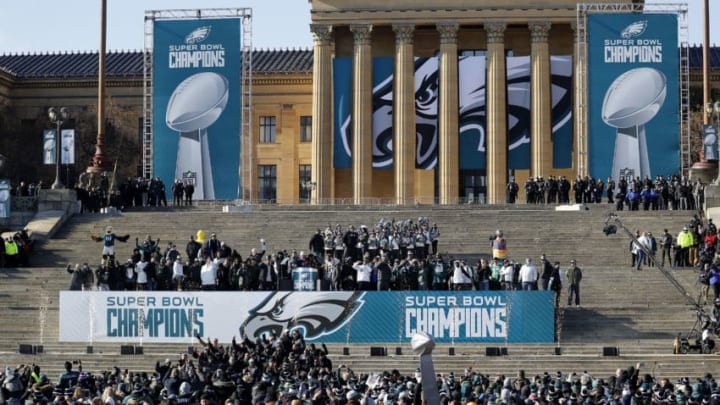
[461,276]
[715,319]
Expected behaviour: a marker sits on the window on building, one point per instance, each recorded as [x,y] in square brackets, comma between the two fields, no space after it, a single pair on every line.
[473,186]
[482,52]
[473,52]
[267,183]
[267,129]
[305,187]
[306,128]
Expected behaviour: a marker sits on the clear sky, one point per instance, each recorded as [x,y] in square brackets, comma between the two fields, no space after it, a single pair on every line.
[42,25]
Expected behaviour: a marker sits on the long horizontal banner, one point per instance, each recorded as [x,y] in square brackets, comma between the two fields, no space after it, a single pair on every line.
[322,316]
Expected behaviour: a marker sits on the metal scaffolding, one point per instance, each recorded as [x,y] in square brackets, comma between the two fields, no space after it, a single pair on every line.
[245,15]
[679,9]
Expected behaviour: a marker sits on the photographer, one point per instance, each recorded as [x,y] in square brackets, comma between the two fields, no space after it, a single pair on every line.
[82,278]
[461,276]
[363,273]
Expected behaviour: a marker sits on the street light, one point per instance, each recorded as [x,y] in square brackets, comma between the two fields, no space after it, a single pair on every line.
[58,119]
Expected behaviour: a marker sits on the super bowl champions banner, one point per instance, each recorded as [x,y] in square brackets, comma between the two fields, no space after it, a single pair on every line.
[332,317]
[67,142]
[633,116]
[471,117]
[196,104]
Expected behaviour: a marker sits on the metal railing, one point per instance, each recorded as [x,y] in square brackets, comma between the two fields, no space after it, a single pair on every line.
[24,203]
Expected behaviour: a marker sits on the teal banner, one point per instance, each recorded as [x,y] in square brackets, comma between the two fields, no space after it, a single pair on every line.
[562,109]
[197,90]
[320,316]
[633,108]
[342,113]
[471,120]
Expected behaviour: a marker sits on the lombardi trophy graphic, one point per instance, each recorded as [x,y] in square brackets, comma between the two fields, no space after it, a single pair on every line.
[197,102]
[422,345]
[633,99]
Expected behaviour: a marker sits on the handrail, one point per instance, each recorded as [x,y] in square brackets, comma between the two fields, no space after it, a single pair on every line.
[614,218]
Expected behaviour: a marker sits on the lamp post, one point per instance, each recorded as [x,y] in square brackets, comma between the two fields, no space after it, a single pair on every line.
[58,117]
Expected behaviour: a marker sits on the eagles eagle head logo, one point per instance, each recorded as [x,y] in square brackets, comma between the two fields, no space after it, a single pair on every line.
[314,314]
[634,30]
[198,35]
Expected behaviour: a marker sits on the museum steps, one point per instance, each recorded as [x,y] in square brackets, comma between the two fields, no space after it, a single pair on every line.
[640,312]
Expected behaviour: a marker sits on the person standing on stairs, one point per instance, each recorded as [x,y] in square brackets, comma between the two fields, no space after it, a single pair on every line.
[108,240]
[499,245]
[574,276]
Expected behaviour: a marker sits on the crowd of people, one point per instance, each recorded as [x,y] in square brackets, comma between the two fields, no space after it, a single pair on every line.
[284,369]
[675,192]
[391,255]
[134,192]
[25,189]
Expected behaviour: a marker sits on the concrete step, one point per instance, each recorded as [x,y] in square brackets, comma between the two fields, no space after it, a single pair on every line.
[639,312]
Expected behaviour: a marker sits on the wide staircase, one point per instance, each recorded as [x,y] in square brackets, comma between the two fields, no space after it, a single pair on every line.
[639,312]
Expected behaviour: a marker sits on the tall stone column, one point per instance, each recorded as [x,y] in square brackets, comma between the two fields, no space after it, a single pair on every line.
[496,113]
[540,111]
[448,114]
[404,114]
[362,113]
[321,169]
[579,105]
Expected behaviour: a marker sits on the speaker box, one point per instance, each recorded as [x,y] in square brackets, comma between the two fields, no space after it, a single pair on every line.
[398,351]
[190,350]
[346,351]
[451,351]
[139,350]
[25,349]
[286,285]
[89,350]
[492,351]
[126,349]
[377,351]
[611,351]
[558,351]
[503,351]
[38,349]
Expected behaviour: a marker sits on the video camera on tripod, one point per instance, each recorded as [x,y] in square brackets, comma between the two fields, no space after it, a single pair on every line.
[610,229]
[697,340]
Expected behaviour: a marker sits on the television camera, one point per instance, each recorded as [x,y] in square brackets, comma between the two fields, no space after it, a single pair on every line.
[699,339]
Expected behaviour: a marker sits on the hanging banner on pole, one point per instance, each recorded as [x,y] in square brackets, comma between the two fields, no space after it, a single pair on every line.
[67,154]
[49,152]
[633,115]
[5,188]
